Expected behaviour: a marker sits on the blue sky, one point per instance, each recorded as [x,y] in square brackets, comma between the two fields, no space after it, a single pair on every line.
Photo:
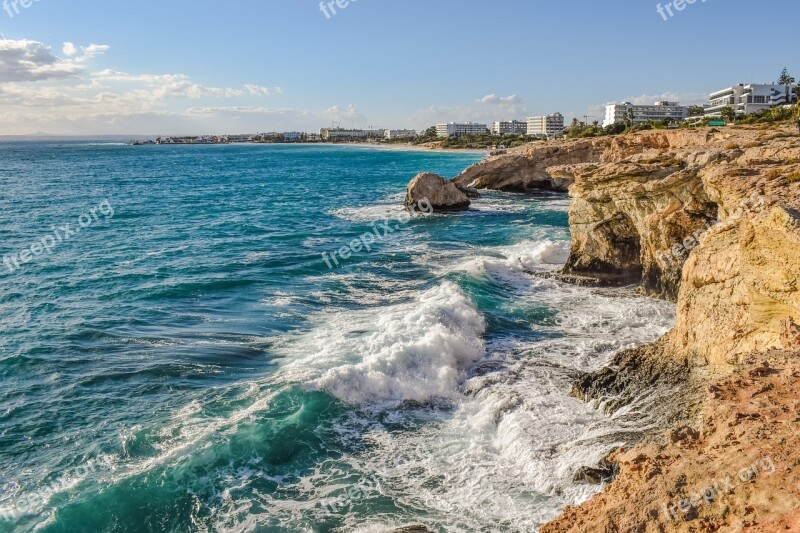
[179,66]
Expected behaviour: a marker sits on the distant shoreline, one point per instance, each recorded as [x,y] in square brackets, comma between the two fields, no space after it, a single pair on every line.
[127,139]
[404,147]
[377,146]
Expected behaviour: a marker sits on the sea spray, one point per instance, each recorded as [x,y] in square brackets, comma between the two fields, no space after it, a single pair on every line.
[412,351]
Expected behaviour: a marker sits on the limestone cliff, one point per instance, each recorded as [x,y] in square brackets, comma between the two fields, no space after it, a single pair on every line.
[707,218]
[738,471]
[711,220]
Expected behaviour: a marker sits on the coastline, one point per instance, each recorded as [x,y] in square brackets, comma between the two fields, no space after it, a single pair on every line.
[386,147]
[405,148]
[708,220]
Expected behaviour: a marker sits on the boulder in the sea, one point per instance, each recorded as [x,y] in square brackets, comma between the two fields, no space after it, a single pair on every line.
[430,191]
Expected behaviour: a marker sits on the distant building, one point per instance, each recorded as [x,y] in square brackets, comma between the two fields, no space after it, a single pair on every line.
[510,127]
[292,136]
[340,134]
[547,126]
[640,114]
[401,134]
[456,129]
[239,138]
[750,98]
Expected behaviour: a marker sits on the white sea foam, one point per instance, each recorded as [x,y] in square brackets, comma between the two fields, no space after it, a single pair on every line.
[511,261]
[389,208]
[498,205]
[506,451]
[418,350]
[510,451]
[507,454]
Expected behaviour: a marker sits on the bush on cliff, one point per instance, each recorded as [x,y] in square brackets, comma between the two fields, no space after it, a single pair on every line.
[778,114]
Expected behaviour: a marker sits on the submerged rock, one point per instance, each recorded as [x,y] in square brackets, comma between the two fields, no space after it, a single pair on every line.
[428,190]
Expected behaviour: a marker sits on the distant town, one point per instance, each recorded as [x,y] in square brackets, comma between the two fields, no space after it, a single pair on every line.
[724,106]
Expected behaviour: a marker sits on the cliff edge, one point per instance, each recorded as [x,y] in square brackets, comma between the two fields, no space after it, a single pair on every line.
[709,219]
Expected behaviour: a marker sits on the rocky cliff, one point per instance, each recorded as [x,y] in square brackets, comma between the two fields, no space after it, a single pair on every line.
[709,219]
[737,470]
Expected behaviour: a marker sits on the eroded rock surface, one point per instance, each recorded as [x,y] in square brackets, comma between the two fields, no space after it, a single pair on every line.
[712,222]
[428,190]
[737,472]
[709,219]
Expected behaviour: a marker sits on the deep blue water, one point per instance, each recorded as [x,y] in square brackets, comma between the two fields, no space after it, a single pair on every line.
[185,360]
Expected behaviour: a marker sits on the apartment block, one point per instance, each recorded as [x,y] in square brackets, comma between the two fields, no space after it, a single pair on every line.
[456,129]
[640,114]
[546,126]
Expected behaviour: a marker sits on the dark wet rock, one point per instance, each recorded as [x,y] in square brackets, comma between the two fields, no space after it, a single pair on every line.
[469,191]
[631,373]
[605,472]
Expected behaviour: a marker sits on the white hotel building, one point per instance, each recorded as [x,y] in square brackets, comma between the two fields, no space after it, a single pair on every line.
[510,127]
[456,129]
[640,114]
[400,134]
[750,98]
[547,126]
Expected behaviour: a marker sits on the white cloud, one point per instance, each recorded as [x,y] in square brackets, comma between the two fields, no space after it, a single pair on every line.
[26,60]
[258,90]
[91,51]
[258,118]
[180,85]
[501,100]
[40,91]
[70,49]
[349,112]
[485,110]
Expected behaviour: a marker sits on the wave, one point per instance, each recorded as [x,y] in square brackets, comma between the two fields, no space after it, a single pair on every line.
[419,350]
[509,452]
[391,208]
[514,260]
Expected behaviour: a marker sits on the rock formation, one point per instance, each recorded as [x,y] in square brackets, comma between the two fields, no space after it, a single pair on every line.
[736,473]
[711,220]
[708,218]
[429,190]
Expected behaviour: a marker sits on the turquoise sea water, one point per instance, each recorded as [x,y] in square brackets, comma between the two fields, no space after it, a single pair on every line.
[181,357]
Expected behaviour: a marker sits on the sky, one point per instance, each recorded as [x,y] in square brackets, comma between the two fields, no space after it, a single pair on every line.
[182,67]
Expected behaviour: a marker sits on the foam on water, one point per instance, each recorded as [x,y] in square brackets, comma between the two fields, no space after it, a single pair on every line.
[391,209]
[424,381]
[411,351]
[508,451]
[511,260]
[505,447]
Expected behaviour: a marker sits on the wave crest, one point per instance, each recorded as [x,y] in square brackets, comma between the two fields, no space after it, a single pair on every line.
[412,351]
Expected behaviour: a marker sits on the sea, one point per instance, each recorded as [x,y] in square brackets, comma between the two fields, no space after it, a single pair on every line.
[238,338]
